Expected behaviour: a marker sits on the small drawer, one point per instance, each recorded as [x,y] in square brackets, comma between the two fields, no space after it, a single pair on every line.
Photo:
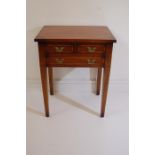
[75,61]
[92,49]
[57,49]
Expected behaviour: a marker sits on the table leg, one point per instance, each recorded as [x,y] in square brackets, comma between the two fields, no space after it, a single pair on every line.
[99,73]
[106,78]
[50,74]
[43,73]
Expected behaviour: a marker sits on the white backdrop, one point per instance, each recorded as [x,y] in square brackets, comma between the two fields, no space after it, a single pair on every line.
[113,13]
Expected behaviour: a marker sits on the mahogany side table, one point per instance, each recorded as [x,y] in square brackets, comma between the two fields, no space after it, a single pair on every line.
[75,46]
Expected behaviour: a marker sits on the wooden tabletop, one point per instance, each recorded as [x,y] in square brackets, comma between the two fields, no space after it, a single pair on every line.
[75,33]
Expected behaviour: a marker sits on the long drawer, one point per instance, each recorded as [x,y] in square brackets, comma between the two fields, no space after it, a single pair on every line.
[71,61]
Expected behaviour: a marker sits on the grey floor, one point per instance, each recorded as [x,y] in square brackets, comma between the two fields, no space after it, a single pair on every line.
[74,126]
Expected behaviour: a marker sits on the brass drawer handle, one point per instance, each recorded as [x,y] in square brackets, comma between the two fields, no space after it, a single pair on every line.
[59,49]
[59,61]
[91,49]
[91,61]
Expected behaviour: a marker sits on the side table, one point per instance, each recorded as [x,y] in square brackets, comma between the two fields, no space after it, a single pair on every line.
[75,46]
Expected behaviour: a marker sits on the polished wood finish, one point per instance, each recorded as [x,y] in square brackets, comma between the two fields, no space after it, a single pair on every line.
[50,73]
[43,72]
[58,49]
[75,46]
[71,61]
[75,33]
[99,74]
[106,78]
[91,49]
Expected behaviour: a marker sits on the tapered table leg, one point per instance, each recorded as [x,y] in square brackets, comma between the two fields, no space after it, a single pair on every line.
[99,73]
[43,73]
[106,78]
[50,73]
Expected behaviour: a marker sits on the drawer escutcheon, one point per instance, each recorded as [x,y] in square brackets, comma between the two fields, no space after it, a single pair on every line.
[59,49]
[91,49]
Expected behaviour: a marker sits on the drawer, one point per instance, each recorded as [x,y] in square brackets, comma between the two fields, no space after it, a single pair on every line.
[92,49]
[74,61]
[57,49]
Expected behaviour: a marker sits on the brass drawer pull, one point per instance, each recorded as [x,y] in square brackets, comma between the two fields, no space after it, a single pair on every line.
[91,49]
[59,61]
[59,49]
[91,61]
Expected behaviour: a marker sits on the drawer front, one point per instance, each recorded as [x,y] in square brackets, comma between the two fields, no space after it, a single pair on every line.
[91,49]
[74,61]
[57,49]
